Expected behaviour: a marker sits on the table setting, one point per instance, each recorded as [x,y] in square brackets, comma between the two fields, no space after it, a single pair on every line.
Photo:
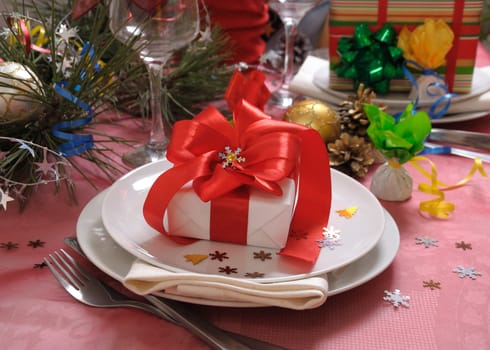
[347,218]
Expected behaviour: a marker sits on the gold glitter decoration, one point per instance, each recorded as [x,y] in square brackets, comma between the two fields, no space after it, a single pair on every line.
[17,86]
[317,115]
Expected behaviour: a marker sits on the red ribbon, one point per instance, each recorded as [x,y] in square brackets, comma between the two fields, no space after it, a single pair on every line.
[229,217]
[271,150]
[456,26]
[451,59]
[22,32]
[250,87]
[81,7]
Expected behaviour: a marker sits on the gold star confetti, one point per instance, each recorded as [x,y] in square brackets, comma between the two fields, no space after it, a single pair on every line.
[35,244]
[298,235]
[262,255]
[228,270]
[220,256]
[431,284]
[254,274]
[268,29]
[195,258]
[40,265]
[9,245]
[463,245]
[347,212]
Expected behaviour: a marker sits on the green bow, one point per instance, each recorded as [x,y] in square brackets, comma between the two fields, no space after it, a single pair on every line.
[372,59]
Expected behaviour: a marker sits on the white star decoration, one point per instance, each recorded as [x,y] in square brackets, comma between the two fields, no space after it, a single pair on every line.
[396,298]
[66,34]
[4,199]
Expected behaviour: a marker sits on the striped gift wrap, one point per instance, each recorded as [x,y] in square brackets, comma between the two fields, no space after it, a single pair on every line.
[463,16]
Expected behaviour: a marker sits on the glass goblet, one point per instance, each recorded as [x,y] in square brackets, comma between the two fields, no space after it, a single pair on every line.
[155,28]
[291,12]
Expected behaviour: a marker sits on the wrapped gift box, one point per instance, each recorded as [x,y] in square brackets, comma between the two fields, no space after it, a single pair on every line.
[463,16]
[267,219]
[240,182]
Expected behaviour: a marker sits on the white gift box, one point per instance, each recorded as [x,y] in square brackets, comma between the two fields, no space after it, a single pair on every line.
[269,216]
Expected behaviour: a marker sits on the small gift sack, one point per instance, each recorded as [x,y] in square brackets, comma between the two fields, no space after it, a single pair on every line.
[398,140]
[392,182]
[253,181]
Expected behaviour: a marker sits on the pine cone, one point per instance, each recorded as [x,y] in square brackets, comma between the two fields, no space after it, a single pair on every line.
[353,120]
[351,155]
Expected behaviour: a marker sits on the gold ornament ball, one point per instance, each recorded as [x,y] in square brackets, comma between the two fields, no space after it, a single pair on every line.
[17,83]
[316,115]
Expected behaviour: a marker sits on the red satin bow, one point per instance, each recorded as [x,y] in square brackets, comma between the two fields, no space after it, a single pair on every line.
[269,152]
[81,7]
[250,87]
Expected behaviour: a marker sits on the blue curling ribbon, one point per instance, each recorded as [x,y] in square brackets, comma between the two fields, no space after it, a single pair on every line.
[436,150]
[76,143]
[444,100]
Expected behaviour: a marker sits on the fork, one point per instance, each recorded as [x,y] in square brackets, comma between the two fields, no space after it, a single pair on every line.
[91,291]
[163,307]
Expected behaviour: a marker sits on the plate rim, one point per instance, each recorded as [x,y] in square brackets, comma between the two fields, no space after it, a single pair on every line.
[126,244]
[85,230]
[398,103]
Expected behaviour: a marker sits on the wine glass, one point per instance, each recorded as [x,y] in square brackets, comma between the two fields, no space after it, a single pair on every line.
[291,12]
[156,28]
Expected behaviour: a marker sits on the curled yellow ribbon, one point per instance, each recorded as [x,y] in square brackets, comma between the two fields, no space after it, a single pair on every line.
[38,33]
[438,207]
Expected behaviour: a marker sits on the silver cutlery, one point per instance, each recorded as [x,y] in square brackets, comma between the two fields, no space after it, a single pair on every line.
[167,308]
[458,151]
[89,290]
[461,137]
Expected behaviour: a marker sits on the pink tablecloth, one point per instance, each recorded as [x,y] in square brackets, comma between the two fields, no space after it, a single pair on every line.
[36,313]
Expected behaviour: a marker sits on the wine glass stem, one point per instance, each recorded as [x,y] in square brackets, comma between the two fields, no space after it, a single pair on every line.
[290,30]
[160,129]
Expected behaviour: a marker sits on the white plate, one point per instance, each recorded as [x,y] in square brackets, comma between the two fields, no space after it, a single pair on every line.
[480,85]
[122,217]
[312,80]
[110,258]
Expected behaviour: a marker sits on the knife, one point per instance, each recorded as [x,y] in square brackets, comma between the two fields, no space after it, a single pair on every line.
[460,137]
[440,149]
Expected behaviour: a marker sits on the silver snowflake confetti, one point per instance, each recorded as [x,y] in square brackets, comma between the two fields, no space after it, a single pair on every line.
[331,232]
[426,241]
[230,158]
[331,238]
[66,33]
[467,272]
[328,243]
[396,298]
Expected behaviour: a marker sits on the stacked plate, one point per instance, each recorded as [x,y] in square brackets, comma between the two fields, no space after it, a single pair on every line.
[312,80]
[113,234]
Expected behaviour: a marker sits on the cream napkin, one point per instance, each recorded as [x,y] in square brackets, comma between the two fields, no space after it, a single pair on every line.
[300,294]
[308,83]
